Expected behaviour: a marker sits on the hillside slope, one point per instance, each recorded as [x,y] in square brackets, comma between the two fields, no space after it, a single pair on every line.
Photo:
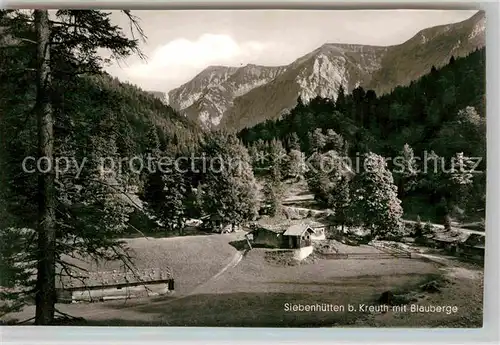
[430,47]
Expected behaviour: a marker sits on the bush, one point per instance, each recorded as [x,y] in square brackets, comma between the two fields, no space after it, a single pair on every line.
[427,228]
[481,225]
[418,228]
[447,223]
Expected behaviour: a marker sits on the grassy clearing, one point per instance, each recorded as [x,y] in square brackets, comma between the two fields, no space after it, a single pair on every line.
[255,293]
[191,259]
[463,293]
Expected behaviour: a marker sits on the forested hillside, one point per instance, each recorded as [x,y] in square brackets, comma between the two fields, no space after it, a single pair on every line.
[442,113]
[120,115]
[69,134]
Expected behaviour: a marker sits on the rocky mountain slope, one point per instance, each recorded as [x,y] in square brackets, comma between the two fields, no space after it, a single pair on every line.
[321,72]
[235,98]
[211,93]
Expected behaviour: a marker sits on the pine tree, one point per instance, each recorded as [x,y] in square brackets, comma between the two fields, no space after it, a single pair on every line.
[461,179]
[151,159]
[470,132]
[324,171]
[419,228]
[334,141]
[317,180]
[317,140]
[153,144]
[428,228]
[294,142]
[253,151]
[198,196]
[174,206]
[59,53]
[461,173]
[447,223]
[229,188]
[340,102]
[46,268]
[16,267]
[277,159]
[296,164]
[259,155]
[407,170]
[273,196]
[374,198]
[341,201]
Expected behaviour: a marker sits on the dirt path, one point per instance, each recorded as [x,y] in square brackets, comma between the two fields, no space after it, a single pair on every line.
[451,267]
[440,226]
[233,263]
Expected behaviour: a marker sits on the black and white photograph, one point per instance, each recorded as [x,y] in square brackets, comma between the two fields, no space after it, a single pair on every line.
[243,168]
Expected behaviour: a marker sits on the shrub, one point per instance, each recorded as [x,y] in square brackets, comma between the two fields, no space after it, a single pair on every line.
[427,228]
[447,223]
[418,229]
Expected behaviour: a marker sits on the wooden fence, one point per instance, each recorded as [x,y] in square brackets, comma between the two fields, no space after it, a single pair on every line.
[366,256]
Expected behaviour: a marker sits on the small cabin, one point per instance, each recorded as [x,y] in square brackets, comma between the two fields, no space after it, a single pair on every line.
[298,236]
[267,237]
[287,236]
[473,246]
[102,286]
[319,232]
[460,243]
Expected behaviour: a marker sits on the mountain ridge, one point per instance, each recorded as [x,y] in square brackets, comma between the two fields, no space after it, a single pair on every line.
[237,97]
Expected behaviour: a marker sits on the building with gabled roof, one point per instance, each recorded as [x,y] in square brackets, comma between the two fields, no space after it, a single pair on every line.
[96,286]
[297,236]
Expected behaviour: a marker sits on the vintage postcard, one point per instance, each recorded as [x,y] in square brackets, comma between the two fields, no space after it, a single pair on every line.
[242,168]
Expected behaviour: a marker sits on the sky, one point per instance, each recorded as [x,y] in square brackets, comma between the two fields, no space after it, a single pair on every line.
[180,44]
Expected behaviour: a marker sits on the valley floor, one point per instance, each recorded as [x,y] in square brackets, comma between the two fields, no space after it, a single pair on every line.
[219,286]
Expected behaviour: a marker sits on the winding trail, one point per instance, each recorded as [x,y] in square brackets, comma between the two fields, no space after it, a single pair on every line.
[441,226]
[233,263]
[452,267]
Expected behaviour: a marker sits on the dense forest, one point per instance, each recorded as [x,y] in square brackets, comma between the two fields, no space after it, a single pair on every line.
[96,114]
[442,113]
[61,117]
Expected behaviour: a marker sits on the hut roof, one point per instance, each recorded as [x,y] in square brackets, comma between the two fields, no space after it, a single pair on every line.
[284,226]
[297,229]
[451,236]
[475,240]
[273,228]
[111,278]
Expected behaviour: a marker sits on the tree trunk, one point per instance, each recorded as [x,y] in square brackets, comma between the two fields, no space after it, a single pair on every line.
[45,284]
[181,227]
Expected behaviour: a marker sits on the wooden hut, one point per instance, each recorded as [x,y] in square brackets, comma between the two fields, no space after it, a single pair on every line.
[101,286]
